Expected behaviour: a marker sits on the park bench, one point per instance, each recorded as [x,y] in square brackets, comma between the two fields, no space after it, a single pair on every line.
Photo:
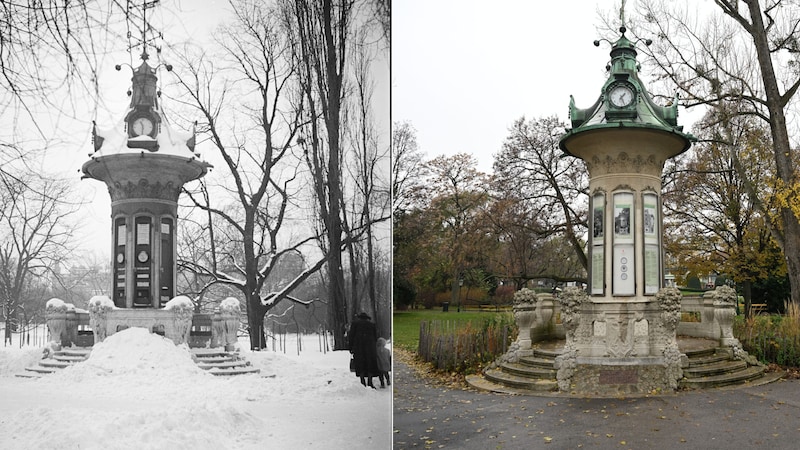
[758,308]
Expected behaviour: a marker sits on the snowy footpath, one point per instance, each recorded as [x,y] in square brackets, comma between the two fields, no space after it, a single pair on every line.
[139,391]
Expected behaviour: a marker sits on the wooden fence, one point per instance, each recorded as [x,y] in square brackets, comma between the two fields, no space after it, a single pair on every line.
[452,346]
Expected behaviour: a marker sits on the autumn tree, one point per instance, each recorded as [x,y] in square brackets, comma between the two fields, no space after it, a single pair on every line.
[743,58]
[455,194]
[715,200]
[540,204]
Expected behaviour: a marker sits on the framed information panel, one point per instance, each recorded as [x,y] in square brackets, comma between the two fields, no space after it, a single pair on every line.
[624,260]
[598,244]
[652,253]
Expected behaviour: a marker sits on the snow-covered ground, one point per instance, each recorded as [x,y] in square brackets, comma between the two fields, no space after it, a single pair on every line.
[138,390]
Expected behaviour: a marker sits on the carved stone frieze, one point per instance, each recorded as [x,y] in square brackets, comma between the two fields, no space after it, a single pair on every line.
[144,189]
[623,162]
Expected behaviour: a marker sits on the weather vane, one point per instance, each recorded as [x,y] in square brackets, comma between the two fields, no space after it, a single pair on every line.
[146,27]
[622,14]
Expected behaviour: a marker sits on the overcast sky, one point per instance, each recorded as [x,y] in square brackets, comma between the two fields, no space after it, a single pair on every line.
[464,71]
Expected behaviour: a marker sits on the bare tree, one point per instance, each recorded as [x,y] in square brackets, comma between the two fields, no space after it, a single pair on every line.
[366,166]
[743,60]
[322,33]
[252,118]
[34,236]
[407,167]
[550,190]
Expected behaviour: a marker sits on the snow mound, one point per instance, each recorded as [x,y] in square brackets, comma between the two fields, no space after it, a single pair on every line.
[15,360]
[136,353]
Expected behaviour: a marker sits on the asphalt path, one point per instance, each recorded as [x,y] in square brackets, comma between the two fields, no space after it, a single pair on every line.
[431,414]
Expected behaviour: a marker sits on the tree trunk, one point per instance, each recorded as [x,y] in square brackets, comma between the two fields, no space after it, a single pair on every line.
[255,323]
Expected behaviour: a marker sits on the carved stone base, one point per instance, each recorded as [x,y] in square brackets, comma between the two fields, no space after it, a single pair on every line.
[620,376]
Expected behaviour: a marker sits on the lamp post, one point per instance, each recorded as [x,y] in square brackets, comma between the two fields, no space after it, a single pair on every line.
[460,283]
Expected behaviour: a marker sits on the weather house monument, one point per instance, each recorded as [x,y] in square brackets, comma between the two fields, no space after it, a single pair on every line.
[144,162]
[621,333]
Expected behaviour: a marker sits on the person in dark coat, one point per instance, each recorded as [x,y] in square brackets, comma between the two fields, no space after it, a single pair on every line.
[362,340]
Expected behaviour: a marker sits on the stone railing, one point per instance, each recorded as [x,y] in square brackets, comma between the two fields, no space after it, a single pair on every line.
[709,316]
[541,319]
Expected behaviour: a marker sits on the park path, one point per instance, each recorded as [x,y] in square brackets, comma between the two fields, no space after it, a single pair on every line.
[430,414]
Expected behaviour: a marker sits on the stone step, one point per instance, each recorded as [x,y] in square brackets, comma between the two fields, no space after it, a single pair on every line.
[717,368]
[215,359]
[28,375]
[54,363]
[549,353]
[41,369]
[523,370]
[708,359]
[209,352]
[235,371]
[534,361]
[738,377]
[66,358]
[223,365]
[701,352]
[85,352]
[507,379]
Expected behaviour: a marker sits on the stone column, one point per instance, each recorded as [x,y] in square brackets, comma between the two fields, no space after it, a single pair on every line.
[99,306]
[217,329]
[543,326]
[571,299]
[182,311]
[669,299]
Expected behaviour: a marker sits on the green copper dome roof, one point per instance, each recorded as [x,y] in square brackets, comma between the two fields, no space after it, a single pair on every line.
[642,112]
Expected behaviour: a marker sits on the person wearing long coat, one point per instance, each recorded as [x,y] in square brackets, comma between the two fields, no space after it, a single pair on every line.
[362,340]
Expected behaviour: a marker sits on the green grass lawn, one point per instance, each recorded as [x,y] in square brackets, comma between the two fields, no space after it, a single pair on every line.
[405,332]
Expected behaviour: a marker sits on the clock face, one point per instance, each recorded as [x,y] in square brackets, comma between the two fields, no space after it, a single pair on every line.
[142,256]
[120,258]
[142,126]
[621,96]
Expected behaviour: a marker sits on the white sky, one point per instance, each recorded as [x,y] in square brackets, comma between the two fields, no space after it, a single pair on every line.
[180,20]
[463,71]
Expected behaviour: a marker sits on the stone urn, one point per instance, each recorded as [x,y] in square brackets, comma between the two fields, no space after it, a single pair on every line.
[57,315]
[724,312]
[524,313]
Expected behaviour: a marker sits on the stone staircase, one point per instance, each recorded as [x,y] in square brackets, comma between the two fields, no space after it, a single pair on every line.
[222,363]
[714,367]
[61,359]
[709,367]
[533,373]
[216,361]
